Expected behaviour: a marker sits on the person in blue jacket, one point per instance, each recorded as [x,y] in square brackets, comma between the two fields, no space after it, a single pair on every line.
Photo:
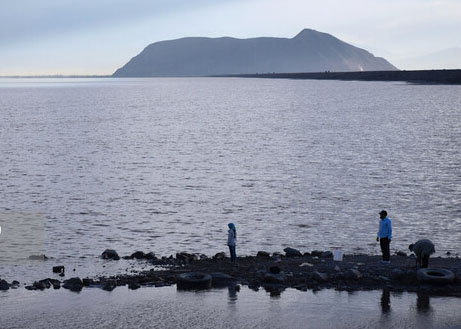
[231,239]
[385,236]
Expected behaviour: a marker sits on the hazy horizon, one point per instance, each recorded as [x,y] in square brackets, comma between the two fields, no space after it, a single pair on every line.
[87,38]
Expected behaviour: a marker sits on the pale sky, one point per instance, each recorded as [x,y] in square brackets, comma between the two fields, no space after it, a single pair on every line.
[99,36]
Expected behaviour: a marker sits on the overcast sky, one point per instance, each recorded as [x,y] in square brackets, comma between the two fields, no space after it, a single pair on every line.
[99,36]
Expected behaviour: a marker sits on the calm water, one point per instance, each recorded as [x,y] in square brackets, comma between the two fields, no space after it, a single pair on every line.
[164,164]
[168,308]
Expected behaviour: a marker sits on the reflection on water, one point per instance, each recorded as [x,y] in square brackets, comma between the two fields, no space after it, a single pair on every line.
[228,307]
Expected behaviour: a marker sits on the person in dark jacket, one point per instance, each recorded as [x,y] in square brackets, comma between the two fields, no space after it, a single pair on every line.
[231,241]
[422,249]
[384,236]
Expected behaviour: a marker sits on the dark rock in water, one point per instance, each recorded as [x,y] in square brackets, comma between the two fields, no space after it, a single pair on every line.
[274,278]
[291,252]
[353,274]
[316,253]
[110,254]
[326,254]
[4,285]
[134,285]
[38,257]
[320,277]
[109,285]
[219,256]
[87,282]
[448,253]
[150,255]
[15,283]
[58,269]
[306,254]
[41,285]
[274,269]
[401,253]
[137,255]
[62,274]
[203,257]
[73,284]
[31,287]
[262,254]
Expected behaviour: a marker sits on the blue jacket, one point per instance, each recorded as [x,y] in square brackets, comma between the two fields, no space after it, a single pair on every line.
[385,228]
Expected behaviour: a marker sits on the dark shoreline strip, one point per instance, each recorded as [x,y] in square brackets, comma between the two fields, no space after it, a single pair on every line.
[452,77]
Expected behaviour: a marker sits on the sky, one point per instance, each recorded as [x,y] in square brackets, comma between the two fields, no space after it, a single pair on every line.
[95,37]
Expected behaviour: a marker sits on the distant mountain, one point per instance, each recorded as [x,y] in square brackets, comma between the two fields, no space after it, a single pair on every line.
[443,59]
[309,51]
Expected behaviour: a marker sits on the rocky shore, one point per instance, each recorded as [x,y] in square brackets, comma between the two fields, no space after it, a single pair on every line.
[273,272]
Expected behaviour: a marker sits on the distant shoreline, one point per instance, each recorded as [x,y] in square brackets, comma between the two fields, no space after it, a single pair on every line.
[445,77]
[420,76]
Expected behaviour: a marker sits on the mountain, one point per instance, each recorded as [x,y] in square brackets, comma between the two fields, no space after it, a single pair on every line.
[443,59]
[309,51]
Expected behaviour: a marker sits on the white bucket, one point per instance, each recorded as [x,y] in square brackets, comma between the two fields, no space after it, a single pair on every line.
[338,255]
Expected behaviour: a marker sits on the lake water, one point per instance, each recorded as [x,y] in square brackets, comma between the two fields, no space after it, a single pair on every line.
[164,164]
[227,308]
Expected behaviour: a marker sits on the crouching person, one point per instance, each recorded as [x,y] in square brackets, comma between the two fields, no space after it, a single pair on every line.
[422,249]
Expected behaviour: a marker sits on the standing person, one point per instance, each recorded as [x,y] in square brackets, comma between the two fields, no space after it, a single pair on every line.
[231,238]
[384,236]
[422,249]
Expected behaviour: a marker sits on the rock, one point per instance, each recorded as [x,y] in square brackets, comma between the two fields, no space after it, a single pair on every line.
[30,287]
[291,252]
[306,254]
[38,257]
[150,256]
[15,283]
[396,274]
[262,254]
[203,257]
[4,285]
[186,257]
[401,253]
[353,274]
[110,254]
[87,282]
[274,278]
[320,277]
[137,255]
[58,269]
[73,284]
[134,285]
[326,254]
[219,256]
[274,269]
[448,253]
[41,285]
[316,253]
[109,285]
[62,274]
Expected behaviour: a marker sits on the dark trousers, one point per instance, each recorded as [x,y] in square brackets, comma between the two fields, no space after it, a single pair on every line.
[423,261]
[232,253]
[384,242]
